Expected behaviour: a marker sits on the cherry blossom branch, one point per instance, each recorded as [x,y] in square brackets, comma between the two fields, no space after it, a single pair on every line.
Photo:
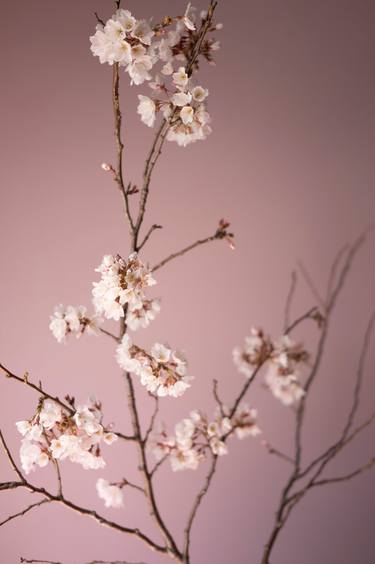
[24,511]
[78,509]
[120,147]
[341,442]
[288,500]
[161,134]
[144,469]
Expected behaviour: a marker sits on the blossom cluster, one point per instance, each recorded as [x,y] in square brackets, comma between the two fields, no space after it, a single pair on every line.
[72,320]
[57,433]
[195,436]
[122,284]
[162,372]
[137,46]
[111,494]
[282,360]
[125,41]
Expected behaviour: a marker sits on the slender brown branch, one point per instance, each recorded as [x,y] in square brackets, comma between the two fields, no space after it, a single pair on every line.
[11,459]
[194,509]
[184,251]
[215,391]
[26,561]
[10,485]
[153,418]
[38,389]
[346,477]
[277,452]
[244,389]
[59,479]
[24,511]
[310,283]
[288,500]
[148,235]
[98,19]
[109,334]
[308,315]
[289,300]
[120,146]
[159,464]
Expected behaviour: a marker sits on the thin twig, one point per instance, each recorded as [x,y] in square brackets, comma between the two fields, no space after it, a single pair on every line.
[153,418]
[26,561]
[38,389]
[24,511]
[346,477]
[109,334]
[158,464]
[184,251]
[289,300]
[150,231]
[196,504]
[308,315]
[309,281]
[277,452]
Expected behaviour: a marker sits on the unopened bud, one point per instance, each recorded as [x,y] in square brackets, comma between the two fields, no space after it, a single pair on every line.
[106,167]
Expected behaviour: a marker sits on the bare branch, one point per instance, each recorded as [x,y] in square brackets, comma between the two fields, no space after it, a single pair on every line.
[109,334]
[308,315]
[196,505]
[158,464]
[277,452]
[24,511]
[153,418]
[150,231]
[184,251]
[346,477]
[215,391]
[310,283]
[98,19]
[289,300]
[26,561]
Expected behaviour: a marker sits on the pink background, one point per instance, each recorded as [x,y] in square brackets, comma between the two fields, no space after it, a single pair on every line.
[290,163]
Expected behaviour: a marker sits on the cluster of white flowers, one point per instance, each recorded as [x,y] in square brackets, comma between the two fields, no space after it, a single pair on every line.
[162,372]
[70,319]
[183,106]
[111,494]
[195,435]
[124,283]
[282,359]
[143,315]
[282,376]
[56,433]
[137,46]
[128,42]
[256,350]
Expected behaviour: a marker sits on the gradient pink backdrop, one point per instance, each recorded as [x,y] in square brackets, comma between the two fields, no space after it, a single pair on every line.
[290,163]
